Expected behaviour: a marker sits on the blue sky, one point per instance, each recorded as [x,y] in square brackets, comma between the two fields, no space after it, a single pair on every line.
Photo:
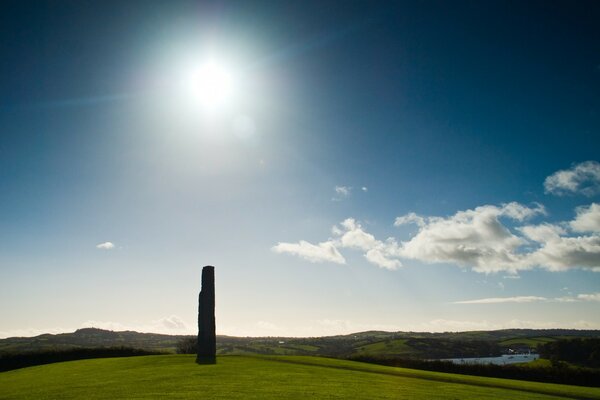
[423,166]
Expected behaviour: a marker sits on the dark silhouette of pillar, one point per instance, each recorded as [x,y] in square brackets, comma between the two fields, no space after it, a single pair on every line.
[207,338]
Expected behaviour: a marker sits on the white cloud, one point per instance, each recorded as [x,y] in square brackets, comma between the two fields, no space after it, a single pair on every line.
[542,233]
[587,219]
[581,178]
[325,251]
[105,246]
[473,238]
[364,189]
[351,235]
[532,299]
[341,192]
[268,326]
[29,332]
[410,218]
[560,253]
[172,325]
[477,238]
[589,297]
[497,300]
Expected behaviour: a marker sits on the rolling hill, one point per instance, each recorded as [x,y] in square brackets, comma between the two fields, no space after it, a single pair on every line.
[252,377]
[405,344]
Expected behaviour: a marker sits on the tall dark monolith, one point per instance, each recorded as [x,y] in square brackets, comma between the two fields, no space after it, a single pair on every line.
[207,338]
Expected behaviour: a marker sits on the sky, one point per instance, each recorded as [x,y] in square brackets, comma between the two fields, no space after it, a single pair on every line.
[345,166]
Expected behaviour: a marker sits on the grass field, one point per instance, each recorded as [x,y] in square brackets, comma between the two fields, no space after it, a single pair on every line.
[531,342]
[388,348]
[240,377]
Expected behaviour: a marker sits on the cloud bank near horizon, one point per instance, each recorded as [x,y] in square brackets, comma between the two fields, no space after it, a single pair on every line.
[534,299]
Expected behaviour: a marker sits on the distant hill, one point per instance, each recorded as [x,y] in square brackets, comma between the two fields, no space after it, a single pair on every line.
[378,343]
[90,337]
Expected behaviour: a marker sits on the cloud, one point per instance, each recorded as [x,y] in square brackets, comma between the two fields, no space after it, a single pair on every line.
[410,218]
[589,297]
[472,238]
[479,238]
[341,192]
[105,246]
[497,300]
[351,235]
[29,332]
[167,325]
[542,233]
[364,189]
[532,299]
[325,251]
[587,219]
[268,326]
[444,325]
[563,253]
[172,322]
[583,178]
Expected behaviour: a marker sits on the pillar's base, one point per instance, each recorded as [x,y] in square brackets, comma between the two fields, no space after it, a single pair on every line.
[206,360]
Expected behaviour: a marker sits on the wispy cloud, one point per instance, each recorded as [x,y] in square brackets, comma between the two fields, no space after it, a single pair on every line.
[325,251]
[589,297]
[341,192]
[533,299]
[497,300]
[410,218]
[170,325]
[582,178]
[105,246]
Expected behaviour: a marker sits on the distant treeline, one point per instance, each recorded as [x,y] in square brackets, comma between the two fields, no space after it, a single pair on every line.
[21,360]
[585,352]
[557,373]
[447,348]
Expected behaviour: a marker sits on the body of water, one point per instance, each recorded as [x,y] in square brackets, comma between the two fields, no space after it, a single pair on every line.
[502,360]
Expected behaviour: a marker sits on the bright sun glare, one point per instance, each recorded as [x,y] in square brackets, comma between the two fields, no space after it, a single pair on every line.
[211,84]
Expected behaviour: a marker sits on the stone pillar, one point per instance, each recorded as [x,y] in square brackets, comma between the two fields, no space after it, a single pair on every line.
[207,338]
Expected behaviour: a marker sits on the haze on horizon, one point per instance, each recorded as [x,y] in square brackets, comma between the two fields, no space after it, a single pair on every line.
[414,166]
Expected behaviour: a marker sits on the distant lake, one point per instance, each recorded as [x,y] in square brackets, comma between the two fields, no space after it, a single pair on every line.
[502,360]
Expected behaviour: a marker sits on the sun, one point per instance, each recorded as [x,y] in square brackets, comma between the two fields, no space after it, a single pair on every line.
[211,84]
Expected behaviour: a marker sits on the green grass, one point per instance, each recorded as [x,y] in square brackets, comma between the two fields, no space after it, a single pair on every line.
[539,363]
[239,377]
[531,342]
[387,348]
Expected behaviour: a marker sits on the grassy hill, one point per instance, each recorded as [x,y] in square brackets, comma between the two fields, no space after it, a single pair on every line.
[244,377]
[377,343]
